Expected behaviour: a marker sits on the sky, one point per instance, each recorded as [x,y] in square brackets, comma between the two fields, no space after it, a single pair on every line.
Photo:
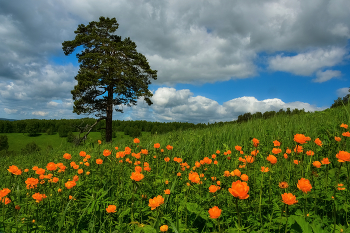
[215,60]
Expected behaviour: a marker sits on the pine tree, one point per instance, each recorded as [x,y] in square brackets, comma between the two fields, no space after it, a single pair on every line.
[112,70]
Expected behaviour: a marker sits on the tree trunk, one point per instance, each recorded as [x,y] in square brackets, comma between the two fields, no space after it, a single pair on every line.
[109,114]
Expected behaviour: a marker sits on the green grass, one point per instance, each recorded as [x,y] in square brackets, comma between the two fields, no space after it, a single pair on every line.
[186,208]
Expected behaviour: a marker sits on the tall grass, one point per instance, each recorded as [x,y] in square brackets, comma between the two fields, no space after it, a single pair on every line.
[186,208]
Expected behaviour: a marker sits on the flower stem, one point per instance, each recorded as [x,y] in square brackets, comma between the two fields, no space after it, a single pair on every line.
[239,216]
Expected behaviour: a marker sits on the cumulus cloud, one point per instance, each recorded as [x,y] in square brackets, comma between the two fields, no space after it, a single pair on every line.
[343,92]
[40,113]
[323,76]
[307,63]
[10,111]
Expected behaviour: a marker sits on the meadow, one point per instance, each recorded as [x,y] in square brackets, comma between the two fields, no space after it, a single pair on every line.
[283,174]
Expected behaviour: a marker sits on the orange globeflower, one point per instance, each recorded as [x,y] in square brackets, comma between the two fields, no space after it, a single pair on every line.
[236,172]
[51,166]
[111,209]
[276,143]
[289,198]
[325,161]
[144,151]
[244,177]
[226,173]
[137,176]
[272,159]
[5,200]
[338,139]
[214,212]
[256,142]
[344,126]
[70,184]
[136,140]
[301,139]
[194,177]
[107,153]
[80,171]
[310,153]
[75,178]
[264,169]
[285,155]
[82,153]
[155,202]
[66,156]
[249,159]
[238,148]
[298,149]
[254,152]
[318,142]
[157,145]
[40,171]
[167,191]
[99,142]
[38,197]
[317,164]
[343,156]
[304,185]
[288,151]
[296,162]
[283,185]
[169,147]
[164,228]
[14,170]
[32,183]
[239,189]
[99,161]
[4,192]
[276,151]
[213,188]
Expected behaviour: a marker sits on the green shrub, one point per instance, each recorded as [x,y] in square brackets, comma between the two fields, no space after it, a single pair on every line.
[63,131]
[30,148]
[114,134]
[4,145]
[49,131]
[70,137]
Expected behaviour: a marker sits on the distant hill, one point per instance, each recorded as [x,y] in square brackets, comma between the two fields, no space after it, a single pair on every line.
[5,119]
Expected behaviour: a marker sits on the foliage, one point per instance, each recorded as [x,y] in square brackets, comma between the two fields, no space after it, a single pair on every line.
[50,131]
[63,131]
[32,128]
[4,145]
[30,148]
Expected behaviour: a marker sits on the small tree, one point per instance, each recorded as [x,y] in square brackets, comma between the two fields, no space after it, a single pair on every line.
[30,148]
[4,145]
[32,128]
[63,131]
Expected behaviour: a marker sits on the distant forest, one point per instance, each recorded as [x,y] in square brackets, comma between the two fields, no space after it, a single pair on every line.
[132,128]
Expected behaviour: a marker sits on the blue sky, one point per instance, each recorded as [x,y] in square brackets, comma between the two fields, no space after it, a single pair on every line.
[215,59]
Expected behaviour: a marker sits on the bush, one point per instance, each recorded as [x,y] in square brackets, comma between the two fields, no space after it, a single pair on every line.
[30,148]
[4,145]
[63,131]
[70,137]
[32,128]
[114,134]
[103,135]
[49,131]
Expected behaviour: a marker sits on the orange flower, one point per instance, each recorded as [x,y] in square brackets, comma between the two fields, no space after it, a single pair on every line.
[137,176]
[276,143]
[99,142]
[318,142]
[178,174]
[5,200]
[213,156]
[288,151]
[107,153]
[32,183]
[285,155]
[343,156]
[255,142]
[144,151]
[296,162]
[283,185]
[214,212]
[169,147]
[70,184]
[136,140]
[317,164]
[215,162]
[218,182]
[272,159]
[194,177]
[17,207]
[239,148]
[325,161]
[236,172]
[155,202]
[66,156]
[80,171]
[213,188]
[55,179]
[249,159]
[38,197]
[338,139]
[111,209]
[239,189]
[75,178]
[304,185]
[226,173]
[4,192]
[167,159]
[164,228]
[310,153]
[289,198]
[264,169]
[157,145]
[244,177]
[82,153]
[99,161]
[218,152]
[276,151]
[26,170]
[40,171]
[167,191]
[301,139]
[13,169]
[35,168]
[344,126]
[76,166]
[298,149]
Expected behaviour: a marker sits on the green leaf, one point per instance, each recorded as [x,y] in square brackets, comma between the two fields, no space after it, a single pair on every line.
[125,212]
[305,226]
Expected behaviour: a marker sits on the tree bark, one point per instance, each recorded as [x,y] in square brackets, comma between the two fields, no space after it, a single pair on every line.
[109,114]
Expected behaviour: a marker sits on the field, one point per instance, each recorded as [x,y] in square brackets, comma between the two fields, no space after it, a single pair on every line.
[284,174]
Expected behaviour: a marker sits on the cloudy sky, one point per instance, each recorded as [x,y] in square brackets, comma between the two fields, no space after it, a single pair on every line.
[215,59]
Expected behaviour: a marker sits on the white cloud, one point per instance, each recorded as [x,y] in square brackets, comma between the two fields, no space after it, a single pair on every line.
[307,63]
[343,92]
[40,113]
[323,76]
[10,111]
[52,104]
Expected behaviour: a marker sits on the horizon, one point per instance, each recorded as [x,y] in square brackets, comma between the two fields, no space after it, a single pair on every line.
[215,61]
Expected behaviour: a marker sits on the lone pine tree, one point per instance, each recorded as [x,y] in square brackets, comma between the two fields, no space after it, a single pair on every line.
[110,68]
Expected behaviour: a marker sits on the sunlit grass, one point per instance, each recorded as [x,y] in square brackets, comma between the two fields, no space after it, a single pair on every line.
[202,175]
